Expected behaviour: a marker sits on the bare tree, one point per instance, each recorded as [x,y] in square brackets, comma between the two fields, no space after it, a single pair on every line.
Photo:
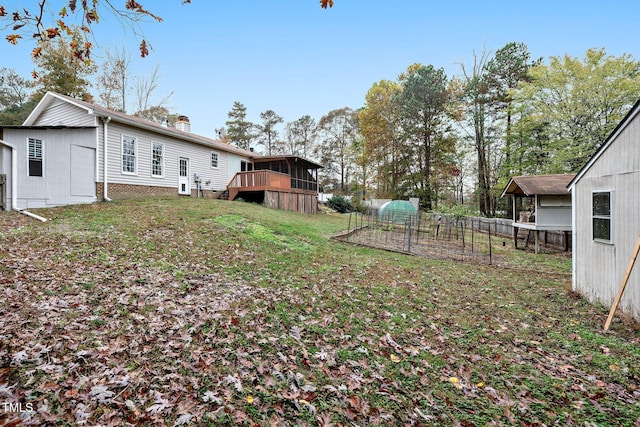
[113,83]
[477,99]
[145,90]
[300,136]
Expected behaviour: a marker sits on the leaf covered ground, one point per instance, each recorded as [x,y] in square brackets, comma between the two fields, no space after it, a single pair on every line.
[199,312]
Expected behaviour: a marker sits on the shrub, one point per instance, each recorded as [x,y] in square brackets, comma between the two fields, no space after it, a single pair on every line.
[339,204]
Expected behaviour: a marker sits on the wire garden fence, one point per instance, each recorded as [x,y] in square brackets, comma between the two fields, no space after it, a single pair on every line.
[428,235]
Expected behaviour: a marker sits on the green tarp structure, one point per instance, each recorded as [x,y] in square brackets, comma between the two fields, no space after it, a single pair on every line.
[397,212]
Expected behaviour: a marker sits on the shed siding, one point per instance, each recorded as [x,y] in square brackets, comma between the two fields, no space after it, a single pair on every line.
[599,266]
[54,188]
[559,216]
[623,155]
[61,113]
[82,170]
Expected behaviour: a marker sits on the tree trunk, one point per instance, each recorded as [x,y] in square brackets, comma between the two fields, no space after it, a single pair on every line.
[484,198]
[427,169]
[508,158]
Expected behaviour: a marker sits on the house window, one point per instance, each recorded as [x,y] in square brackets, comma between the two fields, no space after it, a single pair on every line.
[602,216]
[128,155]
[157,159]
[36,157]
[214,160]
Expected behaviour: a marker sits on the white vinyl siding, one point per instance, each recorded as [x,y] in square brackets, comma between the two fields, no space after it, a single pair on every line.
[199,156]
[60,112]
[157,160]
[129,155]
[36,157]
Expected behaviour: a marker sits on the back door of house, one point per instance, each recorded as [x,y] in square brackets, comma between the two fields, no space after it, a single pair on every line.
[184,184]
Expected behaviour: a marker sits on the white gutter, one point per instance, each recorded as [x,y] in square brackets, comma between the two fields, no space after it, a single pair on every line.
[105,134]
[14,183]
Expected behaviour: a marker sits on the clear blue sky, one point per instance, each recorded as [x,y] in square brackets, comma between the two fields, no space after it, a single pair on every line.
[296,58]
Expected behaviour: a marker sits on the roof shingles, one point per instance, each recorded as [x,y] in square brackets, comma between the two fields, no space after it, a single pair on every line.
[549,185]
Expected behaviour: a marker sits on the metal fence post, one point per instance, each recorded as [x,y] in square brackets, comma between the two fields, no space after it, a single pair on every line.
[409,235]
[490,247]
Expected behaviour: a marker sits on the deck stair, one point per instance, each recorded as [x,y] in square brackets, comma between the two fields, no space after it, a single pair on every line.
[524,235]
[221,194]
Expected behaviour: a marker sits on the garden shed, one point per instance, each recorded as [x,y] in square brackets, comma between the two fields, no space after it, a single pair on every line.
[540,203]
[606,218]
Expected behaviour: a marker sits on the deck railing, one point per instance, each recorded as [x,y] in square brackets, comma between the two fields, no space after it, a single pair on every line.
[258,181]
[261,180]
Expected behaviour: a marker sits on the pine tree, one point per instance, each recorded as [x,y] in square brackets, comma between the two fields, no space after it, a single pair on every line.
[239,130]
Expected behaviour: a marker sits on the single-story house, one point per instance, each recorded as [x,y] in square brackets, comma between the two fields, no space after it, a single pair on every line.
[69,151]
[540,203]
[606,218]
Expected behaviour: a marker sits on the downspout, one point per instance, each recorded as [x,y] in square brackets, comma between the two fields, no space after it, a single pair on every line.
[32,215]
[14,177]
[105,187]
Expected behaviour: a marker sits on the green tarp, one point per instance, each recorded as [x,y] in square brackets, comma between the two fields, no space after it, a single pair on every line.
[397,211]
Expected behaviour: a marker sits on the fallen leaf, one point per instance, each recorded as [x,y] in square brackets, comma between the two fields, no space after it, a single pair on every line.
[183,419]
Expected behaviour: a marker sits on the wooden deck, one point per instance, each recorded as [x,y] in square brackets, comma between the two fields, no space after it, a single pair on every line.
[276,190]
[258,181]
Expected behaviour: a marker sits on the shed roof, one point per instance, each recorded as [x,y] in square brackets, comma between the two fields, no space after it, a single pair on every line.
[542,185]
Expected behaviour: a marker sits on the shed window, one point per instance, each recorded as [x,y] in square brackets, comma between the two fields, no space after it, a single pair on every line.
[214,160]
[157,159]
[128,155]
[36,157]
[602,216]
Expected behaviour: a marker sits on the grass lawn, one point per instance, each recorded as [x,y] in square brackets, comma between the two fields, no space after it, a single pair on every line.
[200,312]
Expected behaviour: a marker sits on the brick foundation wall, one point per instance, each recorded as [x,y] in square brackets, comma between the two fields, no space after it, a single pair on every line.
[129,191]
[100,191]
